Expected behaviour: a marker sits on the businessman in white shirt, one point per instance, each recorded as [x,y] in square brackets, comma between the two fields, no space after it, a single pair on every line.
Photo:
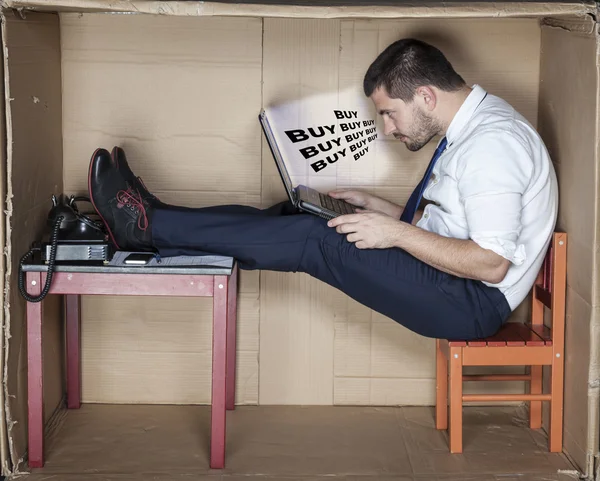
[455,269]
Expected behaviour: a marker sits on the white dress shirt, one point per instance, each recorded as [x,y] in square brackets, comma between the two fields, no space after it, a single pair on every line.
[495,184]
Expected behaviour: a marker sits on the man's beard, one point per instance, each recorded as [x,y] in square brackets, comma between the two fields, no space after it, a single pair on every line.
[426,129]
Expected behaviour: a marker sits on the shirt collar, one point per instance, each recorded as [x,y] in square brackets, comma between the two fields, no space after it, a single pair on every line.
[465,112]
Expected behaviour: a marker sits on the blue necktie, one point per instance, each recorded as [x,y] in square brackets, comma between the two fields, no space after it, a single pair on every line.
[415,198]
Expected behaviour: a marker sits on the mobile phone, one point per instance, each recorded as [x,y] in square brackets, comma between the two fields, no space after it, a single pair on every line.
[139,259]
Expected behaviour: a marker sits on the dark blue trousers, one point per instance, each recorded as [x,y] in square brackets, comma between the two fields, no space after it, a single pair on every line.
[389,281]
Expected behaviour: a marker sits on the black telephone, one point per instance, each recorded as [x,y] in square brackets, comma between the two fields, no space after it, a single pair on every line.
[73,237]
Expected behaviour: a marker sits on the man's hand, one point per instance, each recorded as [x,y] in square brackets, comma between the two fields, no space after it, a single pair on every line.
[369,230]
[367,201]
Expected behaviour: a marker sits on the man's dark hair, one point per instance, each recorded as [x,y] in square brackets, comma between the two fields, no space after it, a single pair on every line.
[408,64]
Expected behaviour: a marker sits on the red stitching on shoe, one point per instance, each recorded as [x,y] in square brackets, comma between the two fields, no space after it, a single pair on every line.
[133,199]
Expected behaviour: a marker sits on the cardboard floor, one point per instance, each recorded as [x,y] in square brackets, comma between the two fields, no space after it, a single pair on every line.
[118,442]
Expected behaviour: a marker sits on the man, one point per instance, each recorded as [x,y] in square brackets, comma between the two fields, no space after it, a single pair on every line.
[453,270]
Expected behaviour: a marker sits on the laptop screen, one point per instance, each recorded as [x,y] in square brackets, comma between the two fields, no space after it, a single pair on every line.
[276,154]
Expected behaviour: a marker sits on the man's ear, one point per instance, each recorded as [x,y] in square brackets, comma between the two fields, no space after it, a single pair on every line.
[427,97]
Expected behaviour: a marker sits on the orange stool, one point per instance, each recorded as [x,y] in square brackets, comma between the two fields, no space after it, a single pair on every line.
[516,344]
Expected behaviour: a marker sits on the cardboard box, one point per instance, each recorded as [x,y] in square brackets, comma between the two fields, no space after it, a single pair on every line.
[179,85]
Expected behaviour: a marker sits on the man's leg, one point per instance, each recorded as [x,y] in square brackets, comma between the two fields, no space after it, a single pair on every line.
[282,208]
[389,281]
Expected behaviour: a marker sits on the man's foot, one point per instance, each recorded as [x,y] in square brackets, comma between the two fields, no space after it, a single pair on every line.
[135,182]
[121,207]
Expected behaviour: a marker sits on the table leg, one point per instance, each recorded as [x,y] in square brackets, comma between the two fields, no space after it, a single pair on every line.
[73,316]
[35,386]
[231,338]
[219,366]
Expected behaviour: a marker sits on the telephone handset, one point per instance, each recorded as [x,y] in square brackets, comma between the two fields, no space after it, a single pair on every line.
[73,236]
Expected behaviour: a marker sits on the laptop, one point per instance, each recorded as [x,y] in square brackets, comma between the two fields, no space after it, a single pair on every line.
[302,197]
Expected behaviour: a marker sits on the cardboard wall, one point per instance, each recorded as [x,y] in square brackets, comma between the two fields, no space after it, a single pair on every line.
[181,96]
[568,123]
[337,351]
[34,173]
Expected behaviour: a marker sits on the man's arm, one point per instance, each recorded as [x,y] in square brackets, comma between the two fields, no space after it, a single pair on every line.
[491,178]
[385,206]
[462,258]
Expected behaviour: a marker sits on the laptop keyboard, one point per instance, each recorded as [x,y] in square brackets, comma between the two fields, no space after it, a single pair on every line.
[335,205]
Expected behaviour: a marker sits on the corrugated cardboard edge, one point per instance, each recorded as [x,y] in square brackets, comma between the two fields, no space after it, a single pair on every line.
[4,453]
[6,465]
[594,368]
[318,10]
[584,25]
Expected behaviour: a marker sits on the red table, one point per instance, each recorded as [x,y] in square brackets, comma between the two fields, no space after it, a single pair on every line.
[219,282]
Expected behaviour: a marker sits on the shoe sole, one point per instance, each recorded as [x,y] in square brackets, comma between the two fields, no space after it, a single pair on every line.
[112,237]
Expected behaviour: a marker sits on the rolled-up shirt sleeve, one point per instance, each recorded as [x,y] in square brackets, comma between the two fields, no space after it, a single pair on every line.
[493,175]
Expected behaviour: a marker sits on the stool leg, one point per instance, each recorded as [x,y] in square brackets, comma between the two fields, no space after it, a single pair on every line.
[535,386]
[231,338]
[556,405]
[73,315]
[219,371]
[535,407]
[441,387]
[456,389]
[35,381]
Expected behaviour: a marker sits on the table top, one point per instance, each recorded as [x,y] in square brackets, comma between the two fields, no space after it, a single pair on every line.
[197,265]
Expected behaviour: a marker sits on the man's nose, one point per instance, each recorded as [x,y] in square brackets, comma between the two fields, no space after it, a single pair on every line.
[388,127]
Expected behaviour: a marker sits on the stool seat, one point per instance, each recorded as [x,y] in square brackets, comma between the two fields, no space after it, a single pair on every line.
[512,334]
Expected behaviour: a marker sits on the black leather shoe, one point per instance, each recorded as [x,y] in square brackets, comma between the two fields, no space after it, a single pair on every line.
[135,182]
[126,216]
